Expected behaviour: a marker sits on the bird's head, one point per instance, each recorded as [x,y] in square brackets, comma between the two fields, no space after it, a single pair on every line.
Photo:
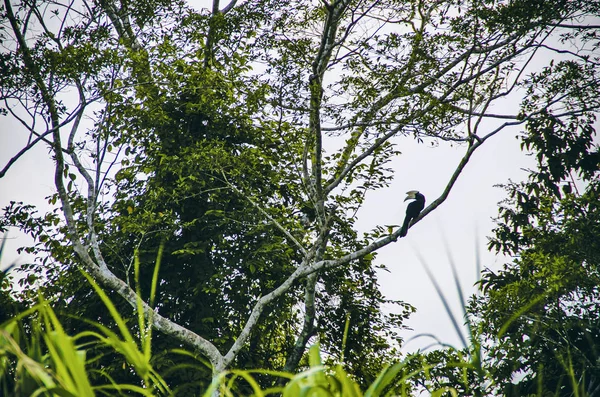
[411,195]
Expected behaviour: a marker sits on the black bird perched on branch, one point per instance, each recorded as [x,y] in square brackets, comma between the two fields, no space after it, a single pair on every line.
[413,210]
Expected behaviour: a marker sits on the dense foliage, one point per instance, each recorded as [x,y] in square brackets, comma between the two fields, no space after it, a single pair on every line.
[209,167]
[542,309]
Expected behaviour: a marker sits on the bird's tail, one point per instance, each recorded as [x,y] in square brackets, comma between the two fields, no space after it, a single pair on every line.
[404,228]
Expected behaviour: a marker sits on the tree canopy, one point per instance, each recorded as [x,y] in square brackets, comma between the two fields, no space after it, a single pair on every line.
[234,146]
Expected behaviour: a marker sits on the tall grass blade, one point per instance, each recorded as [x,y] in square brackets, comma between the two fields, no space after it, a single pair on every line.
[384,379]
[3,272]
[457,284]
[147,336]
[478,264]
[111,308]
[345,337]
[248,378]
[444,300]
[429,335]
[159,255]
[67,360]
[349,388]
[3,243]
[518,314]
[463,302]
[139,304]
[128,347]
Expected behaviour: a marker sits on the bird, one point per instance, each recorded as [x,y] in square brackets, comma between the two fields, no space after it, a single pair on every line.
[413,210]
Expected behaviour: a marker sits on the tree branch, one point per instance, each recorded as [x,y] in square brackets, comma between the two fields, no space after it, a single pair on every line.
[307,331]
[23,151]
[267,215]
[99,270]
[229,7]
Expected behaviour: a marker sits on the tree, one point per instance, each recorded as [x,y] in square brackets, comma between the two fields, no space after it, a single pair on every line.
[223,122]
[539,313]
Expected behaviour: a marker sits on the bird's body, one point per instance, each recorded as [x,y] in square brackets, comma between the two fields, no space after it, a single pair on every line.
[413,210]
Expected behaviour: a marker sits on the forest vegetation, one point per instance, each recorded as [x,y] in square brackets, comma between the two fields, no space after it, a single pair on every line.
[209,166]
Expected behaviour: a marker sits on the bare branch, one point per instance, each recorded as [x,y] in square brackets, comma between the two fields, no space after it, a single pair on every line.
[107,278]
[585,58]
[229,7]
[380,141]
[420,89]
[259,307]
[573,26]
[327,264]
[267,215]
[23,151]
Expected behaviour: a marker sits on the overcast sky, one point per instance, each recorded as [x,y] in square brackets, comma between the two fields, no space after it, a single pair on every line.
[463,221]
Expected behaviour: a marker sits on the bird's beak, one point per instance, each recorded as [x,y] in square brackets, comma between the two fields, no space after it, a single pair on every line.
[410,195]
